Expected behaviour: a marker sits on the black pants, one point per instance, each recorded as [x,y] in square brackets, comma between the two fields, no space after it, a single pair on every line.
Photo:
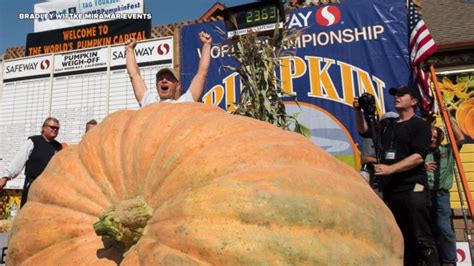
[412,213]
[24,193]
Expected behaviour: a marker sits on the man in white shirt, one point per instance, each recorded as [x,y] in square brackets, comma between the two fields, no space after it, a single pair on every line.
[167,82]
[34,155]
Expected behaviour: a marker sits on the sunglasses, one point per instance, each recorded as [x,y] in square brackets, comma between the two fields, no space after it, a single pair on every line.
[53,127]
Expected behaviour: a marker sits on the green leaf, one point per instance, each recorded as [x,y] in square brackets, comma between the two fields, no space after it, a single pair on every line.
[468,78]
[302,129]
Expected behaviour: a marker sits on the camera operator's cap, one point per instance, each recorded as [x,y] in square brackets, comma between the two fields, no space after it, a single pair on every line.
[167,70]
[389,115]
[404,90]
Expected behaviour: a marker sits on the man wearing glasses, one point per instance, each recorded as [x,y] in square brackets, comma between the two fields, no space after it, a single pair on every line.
[34,156]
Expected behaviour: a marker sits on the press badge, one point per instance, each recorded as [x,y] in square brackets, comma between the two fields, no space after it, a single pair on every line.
[418,188]
[390,155]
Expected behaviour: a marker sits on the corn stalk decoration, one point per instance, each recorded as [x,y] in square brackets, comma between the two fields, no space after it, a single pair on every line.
[261,90]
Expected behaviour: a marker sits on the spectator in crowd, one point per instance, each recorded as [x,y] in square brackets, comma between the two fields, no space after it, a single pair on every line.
[34,155]
[405,144]
[90,124]
[167,82]
[440,169]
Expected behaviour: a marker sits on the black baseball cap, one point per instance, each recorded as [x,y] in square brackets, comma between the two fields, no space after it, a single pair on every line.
[405,90]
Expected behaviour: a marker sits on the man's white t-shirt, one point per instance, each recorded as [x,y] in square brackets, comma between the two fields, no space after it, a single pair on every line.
[149,98]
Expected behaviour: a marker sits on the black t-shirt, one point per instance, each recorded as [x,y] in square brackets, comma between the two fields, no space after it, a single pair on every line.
[405,138]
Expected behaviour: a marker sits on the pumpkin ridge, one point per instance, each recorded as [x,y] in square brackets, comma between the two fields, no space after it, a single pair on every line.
[111,171]
[194,242]
[146,117]
[189,156]
[233,176]
[132,134]
[338,239]
[68,158]
[91,146]
[55,204]
[220,222]
[349,204]
[170,146]
[109,194]
[45,254]
[208,182]
[25,242]
[195,256]
[176,124]
[144,252]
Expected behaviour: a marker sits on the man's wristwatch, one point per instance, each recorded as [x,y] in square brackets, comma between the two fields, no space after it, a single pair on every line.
[6,178]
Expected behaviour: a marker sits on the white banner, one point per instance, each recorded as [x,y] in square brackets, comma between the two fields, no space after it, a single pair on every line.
[70,13]
[82,60]
[158,50]
[32,66]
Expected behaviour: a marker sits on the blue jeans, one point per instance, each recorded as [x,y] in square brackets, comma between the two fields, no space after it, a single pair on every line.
[444,234]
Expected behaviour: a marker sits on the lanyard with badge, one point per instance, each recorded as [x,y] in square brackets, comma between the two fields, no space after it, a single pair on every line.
[390,153]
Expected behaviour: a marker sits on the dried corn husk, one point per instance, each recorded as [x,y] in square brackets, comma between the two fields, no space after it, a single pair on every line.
[5,226]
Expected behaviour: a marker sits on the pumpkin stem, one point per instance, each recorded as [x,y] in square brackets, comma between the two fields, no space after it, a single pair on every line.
[124,222]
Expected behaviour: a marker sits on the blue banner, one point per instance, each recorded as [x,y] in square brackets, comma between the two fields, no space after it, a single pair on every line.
[344,50]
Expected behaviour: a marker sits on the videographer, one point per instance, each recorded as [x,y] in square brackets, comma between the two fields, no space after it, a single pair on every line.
[404,145]
[368,154]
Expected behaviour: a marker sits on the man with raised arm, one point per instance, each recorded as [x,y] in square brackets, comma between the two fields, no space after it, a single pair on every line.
[167,82]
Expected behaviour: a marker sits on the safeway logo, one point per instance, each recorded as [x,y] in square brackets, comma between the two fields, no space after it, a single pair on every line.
[461,256]
[44,64]
[163,49]
[328,15]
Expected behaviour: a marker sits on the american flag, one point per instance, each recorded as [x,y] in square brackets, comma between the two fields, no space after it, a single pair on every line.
[421,47]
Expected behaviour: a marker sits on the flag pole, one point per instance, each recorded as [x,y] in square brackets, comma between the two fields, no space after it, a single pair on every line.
[452,141]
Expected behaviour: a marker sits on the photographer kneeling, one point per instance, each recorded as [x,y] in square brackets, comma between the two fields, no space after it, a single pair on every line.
[404,145]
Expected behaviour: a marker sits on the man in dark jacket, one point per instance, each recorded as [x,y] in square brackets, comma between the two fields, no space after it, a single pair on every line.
[34,156]
[405,144]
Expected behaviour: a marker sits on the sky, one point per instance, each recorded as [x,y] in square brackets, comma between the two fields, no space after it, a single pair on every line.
[13,31]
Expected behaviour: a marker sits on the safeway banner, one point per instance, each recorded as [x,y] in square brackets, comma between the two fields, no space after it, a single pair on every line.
[344,50]
[154,52]
[27,68]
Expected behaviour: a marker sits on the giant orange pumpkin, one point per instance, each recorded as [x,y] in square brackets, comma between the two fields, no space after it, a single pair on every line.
[191,184]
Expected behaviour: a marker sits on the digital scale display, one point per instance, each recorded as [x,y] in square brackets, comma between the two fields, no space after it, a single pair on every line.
[261,16]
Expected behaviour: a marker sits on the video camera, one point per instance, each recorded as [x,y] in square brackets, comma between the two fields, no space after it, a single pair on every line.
[367,103]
